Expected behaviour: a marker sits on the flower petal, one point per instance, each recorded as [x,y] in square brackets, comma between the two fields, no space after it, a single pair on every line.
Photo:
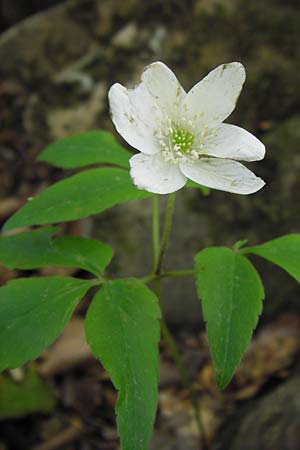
[133,114]
[229,141]
[222,174]
[214,98]
[163,85]
[138,113]
[155,175]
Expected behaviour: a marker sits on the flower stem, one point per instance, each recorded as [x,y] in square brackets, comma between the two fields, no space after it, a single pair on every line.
[166,231]
[168,274]
[177,273]
[186,381]
[155,230]
[158,257]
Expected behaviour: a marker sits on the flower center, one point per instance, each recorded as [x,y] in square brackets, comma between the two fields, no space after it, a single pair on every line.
[182,139]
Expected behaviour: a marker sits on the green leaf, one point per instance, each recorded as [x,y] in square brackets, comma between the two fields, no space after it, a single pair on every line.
[86,148]
[33,312]
[88,254]
[231,292]
[191,184]
[37,248]
[81,195]
[123,331]
[283,251]
[32,394]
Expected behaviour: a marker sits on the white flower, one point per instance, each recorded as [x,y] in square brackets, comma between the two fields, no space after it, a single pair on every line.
[181,135]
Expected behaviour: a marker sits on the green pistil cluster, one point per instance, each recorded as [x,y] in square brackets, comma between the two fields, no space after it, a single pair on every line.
[182,139]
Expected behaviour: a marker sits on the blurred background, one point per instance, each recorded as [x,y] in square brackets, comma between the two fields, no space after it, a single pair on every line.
[58,59]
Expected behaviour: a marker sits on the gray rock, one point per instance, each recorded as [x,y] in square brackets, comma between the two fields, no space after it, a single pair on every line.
[269,423]
[64,60]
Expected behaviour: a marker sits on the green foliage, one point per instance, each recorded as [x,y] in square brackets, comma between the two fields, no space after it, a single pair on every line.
[283,251]
[33,312]
[86,148]
[122,323]
[231,293]
[38,248]
[81,195]
[123,331]
[30,395]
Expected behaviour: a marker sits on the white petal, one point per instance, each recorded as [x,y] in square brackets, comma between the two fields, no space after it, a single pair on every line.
[138,113]
[155,175]
[163,85]
[229,141]
[133,114]
[214,98]
[222,174]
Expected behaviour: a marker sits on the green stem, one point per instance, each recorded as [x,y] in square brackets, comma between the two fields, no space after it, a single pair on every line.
[186,381]
[175,353]
[168,274]
[155,230]
[97,281]
[177,273]
[166,231]
[156,279]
